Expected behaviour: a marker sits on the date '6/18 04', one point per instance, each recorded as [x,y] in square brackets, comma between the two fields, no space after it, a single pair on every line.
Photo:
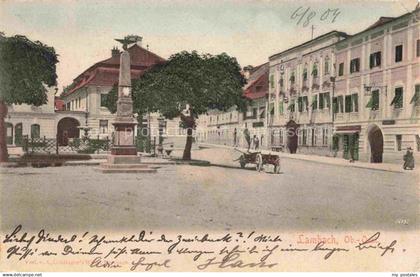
[305,16]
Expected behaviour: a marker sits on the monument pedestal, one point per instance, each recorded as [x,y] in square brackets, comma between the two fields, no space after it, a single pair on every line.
[125,164]
[123,158]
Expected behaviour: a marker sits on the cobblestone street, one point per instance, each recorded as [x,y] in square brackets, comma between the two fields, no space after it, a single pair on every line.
[305,196]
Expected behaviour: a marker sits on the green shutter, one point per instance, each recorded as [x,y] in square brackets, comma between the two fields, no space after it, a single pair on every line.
[314,103]
[271,81]
[281,107]
[370,103]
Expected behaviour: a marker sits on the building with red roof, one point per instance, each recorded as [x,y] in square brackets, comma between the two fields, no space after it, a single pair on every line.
[88,92]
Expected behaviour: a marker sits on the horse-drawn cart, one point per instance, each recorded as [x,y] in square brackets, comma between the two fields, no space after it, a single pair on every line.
[259,160]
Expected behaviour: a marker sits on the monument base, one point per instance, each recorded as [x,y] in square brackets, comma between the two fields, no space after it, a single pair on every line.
[125,164]
[124,150]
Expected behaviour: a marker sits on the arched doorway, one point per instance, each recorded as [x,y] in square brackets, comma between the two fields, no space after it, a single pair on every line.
[67,128]
[376,143]
[292,137]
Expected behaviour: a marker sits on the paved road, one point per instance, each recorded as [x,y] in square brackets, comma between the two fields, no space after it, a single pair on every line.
[305,196]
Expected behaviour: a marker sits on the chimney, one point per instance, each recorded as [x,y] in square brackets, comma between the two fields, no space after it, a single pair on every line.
[247,71]
[115,52]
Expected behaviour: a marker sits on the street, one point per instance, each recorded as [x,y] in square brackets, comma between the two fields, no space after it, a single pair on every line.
[305,196]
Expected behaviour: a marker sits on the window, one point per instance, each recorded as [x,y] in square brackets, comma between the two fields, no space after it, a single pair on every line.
[300,104]
[9,133]
[418,142]
[398,53]
[398,139]
[281,111]
[315,70]
[335,105]
[271,81]
[355,65]
[416,97]
[327,99]
[341,69]
[35,131]
[373,103]
[324,136]
[281,82]
[326,67]
[340,101]
[292,78]
[418,48]
[305,74]
[375,59]
[314,103]
[104,98]
[68,106]
[397,102]
[304,131]
[349,104]
[103,126]
[321,101]
[292,107]
[355,100]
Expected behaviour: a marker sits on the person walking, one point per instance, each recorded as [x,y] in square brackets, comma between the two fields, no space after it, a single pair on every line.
[247,137]
[408,159]
[256,142]
[234,137]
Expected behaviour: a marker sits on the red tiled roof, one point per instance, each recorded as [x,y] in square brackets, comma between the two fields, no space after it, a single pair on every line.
[261,81]
[106,72]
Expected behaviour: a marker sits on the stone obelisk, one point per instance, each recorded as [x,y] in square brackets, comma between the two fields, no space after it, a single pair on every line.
[124,158]
[124,123]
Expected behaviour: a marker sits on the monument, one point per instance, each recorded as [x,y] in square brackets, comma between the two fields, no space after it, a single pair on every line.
[123,157]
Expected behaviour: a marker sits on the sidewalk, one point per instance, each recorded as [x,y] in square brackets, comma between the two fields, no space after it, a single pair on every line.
[327,160]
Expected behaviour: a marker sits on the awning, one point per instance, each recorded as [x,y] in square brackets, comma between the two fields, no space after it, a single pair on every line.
[347,129]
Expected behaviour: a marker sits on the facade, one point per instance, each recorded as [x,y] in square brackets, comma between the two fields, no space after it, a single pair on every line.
[355,97]
[300,95]
[88,92]
[34,122]
[377,94]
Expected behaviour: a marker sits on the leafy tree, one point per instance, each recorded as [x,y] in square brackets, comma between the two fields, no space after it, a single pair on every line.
[187,85]
[26,69]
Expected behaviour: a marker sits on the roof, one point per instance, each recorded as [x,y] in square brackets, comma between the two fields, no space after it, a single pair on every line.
[381,21]
[258,78]
[323,36]
[385,20]
[106,72]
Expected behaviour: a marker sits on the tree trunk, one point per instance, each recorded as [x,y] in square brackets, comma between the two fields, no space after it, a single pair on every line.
[3,144]
[188,145]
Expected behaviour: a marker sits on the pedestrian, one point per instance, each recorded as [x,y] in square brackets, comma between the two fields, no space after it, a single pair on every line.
[247,137]
[408,159]
[234,137]
[256,142]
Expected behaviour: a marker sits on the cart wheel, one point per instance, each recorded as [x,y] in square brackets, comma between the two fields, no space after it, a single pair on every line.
[242,161]
[259,162]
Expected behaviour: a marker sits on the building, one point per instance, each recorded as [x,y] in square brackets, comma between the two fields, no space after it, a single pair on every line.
[377,90]
[27,120]
[226,127]
[300,95]
[88,92]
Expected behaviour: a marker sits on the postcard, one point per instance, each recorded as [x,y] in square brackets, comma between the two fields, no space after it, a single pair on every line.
[209,136]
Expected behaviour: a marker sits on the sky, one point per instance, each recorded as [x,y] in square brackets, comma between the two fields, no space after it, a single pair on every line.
[83,32]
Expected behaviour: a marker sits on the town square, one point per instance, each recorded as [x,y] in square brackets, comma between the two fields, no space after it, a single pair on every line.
[231,118]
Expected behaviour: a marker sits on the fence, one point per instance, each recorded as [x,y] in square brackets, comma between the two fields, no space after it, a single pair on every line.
[75,145]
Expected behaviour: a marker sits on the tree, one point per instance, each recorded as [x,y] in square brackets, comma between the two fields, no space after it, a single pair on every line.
[187,85]
[26,69]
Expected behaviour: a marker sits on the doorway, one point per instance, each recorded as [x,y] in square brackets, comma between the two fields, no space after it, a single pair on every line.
[376,143]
